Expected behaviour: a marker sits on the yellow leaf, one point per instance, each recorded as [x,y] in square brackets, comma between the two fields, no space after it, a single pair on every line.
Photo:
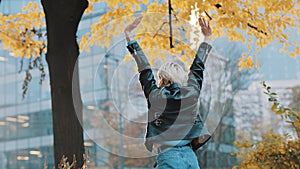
[295,42]
[292,54]
[281,50]
[89,9]
[135,69]
[249,62]
[127,58]
[297,123]
[249,47]
[241,65]
[35,5]
[273,107]
[257,65]
[24,8]
[137,7]
[297,50]
[29,5]
[279,112]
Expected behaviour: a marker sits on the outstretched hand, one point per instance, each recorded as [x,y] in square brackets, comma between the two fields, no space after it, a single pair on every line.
[205,28]
[132,26]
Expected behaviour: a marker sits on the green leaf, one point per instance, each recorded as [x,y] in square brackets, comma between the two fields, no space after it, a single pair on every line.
[272,99]
[263,83]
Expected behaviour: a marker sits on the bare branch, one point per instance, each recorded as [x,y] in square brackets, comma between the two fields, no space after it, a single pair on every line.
[156,33]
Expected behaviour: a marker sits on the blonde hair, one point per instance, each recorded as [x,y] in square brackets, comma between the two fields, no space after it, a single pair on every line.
[170,73]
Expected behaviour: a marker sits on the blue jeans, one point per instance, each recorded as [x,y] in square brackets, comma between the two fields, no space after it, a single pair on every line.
[177,158]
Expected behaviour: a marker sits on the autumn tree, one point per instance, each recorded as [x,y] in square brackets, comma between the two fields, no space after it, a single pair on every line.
[256,23]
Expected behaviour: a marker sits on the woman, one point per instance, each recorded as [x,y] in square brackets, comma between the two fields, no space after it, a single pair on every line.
[173,126]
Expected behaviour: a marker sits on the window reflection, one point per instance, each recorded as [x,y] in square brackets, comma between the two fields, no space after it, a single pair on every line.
[26,125]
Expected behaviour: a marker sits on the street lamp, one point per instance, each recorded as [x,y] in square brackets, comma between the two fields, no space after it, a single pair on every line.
[120,119]
[106,67]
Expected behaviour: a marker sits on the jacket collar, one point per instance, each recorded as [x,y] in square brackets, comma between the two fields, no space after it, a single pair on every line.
[173,86]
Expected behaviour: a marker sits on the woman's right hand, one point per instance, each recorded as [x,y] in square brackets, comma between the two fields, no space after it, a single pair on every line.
[205,28]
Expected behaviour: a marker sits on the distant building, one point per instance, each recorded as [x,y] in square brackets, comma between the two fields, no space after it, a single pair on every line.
[253,110]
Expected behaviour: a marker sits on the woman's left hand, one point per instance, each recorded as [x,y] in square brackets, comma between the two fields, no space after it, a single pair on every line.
[132,26]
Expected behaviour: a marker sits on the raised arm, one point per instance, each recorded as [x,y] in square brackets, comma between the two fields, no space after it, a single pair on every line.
[195,76]
[146,76]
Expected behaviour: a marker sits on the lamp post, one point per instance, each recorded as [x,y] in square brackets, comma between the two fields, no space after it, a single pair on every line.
[105,66]
[117,89]
[120,119]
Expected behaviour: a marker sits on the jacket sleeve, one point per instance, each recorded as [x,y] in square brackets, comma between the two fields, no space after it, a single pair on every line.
[195,76]
[146,76]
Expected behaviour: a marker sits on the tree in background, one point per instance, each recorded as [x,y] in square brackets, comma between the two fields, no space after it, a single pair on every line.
[273,150]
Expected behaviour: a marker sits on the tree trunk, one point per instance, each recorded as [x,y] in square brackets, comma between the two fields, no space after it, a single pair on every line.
[62,19]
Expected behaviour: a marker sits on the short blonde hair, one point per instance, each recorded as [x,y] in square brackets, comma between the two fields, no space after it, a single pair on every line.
[170,73]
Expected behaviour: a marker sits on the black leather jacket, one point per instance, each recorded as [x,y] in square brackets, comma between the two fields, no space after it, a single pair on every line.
[172,110]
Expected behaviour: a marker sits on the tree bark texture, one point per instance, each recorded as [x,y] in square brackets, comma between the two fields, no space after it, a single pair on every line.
[62,20]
